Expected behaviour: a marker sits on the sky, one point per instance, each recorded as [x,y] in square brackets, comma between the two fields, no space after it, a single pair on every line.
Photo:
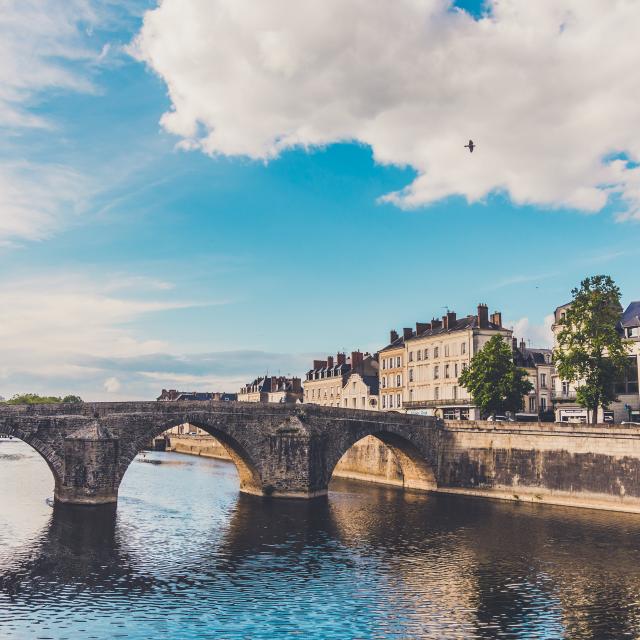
[194,193]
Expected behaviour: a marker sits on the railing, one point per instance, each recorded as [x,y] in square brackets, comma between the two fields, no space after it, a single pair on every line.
[427,404]
[565,397]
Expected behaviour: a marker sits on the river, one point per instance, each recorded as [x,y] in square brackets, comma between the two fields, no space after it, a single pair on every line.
[187,556]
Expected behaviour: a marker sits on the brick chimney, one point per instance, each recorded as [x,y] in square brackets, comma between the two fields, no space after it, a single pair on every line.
[407,333]
[523,345]
[436,324]
[330,362]
[445,322]
[496,318]
[514,343]
[421,327]
[341,358]
[451,319]
[393,335]
[483,316]
[319,364]
[356,360]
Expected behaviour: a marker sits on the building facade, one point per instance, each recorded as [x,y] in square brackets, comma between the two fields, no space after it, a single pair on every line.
[424,365]
[627,405]
[360,391]
[538,363]
[324,383]
[278,389]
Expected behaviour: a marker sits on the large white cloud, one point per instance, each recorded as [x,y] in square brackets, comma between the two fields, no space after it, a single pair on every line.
[548,89]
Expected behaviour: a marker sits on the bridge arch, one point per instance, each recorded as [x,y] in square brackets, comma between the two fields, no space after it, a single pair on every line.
[417,462]
[251,480]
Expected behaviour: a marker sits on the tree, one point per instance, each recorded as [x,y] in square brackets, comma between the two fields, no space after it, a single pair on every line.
[590,351]
[72,399]
[493,380]
[34,398]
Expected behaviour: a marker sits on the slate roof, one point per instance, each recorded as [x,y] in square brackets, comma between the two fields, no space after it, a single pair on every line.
[631,316]
[530,358]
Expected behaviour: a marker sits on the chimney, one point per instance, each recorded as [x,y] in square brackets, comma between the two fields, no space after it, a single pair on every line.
[496,318]
[421,327]
[523,345]
[445,322]
[407,332]
[483,316]
[393,335]
[356,360]
[451,319]
[436,324]
[330,362]
[342,359]
[319,364]
[514,343]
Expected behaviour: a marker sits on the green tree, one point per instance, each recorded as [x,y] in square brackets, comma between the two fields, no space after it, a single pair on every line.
[590,352]
[493,380]
[34,398]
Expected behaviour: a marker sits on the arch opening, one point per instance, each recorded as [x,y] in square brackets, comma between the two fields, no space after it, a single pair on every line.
[248,472]
[386,458]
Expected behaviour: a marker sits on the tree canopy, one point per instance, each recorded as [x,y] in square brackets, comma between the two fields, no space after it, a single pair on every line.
[493,380]
[590,352]
[34,398]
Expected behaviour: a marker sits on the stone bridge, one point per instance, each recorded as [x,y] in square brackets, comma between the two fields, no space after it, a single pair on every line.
[291,450]
[279,450]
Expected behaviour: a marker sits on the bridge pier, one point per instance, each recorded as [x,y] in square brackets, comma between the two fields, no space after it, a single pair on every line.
[90,468]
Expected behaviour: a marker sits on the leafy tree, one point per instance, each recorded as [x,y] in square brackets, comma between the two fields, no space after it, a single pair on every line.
[493,380]
[34,398]
[590,351]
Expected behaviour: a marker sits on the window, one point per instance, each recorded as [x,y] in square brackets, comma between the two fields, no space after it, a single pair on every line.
[398,362]
[391,401]
[446,350]
[426,354]
[384,382]
[384,363]
[436,372]
[353,386]
[363,402]
[543,404]
[419,354]
[543,380]
[436,352]
[455,370]
[463,347]
[346,402]
[384,402]
[436,393]
[398,401]
[410,356]
[628,382]
[565,388]
[464,366]
[446,370]
[355,403]
[532,404]
[455,393]
[410,375]
[398,380]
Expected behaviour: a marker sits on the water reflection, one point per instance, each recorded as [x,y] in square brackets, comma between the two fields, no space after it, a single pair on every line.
[187,556]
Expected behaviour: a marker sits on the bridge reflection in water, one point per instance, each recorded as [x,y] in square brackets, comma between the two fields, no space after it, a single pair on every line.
[187,556]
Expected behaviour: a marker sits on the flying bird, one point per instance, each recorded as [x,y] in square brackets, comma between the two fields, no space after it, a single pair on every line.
[470,146]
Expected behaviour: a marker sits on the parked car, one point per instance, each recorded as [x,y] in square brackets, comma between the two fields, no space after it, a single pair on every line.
[631,424]
[500,419]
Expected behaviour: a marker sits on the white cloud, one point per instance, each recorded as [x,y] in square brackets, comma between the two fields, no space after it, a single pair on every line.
[535,335]
[548,90]
[112,385]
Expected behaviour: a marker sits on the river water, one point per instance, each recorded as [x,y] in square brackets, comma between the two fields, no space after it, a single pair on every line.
[187,556]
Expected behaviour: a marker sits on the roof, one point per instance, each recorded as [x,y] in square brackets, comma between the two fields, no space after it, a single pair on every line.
[530,358]
[461,324]
[372,381]
[398,343]
[631,315]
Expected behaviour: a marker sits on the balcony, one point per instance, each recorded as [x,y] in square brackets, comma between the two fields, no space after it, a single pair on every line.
[564,397]
[431,404]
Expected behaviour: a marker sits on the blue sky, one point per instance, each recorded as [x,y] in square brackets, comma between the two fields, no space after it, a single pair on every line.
[157,266]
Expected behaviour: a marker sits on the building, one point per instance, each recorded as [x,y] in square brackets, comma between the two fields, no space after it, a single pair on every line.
[419,372]
[172,395]
[324,383]
[360,391]
[627,405]
[278,389]
[392,371]
[538,363]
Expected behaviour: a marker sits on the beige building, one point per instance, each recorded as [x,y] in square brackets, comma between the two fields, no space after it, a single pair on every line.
[324,383]
[360,391]
[392,376]
[425,371]
[272,389]
[627,406]
[538,363]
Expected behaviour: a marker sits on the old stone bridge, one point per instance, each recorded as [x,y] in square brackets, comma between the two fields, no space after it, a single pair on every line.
[291,450]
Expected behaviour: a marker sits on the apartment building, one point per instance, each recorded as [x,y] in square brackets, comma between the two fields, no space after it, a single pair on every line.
[326,380]
[424,364]
[392,377]
[360,391]
[627,405]
[271,389]
[538,363]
